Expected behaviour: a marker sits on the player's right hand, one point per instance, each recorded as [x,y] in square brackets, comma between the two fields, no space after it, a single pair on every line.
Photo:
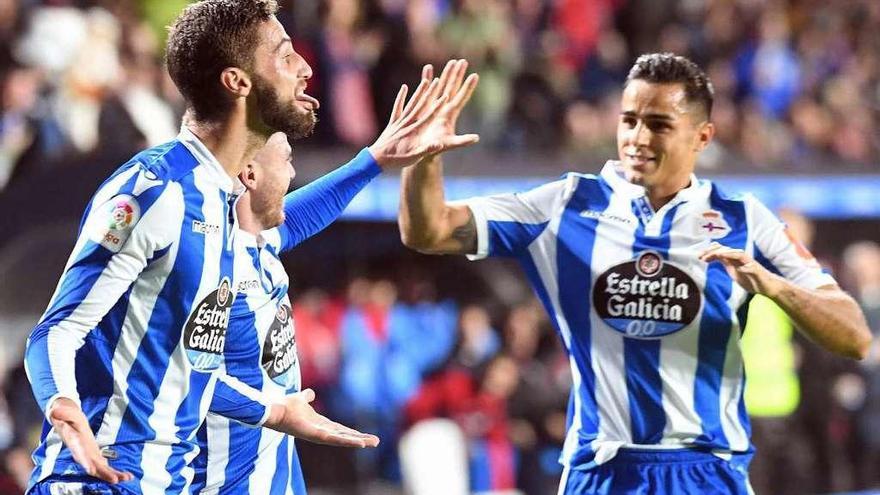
[295,416]
[73,427]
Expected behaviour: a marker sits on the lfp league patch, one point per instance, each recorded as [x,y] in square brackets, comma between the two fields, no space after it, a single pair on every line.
[112,223]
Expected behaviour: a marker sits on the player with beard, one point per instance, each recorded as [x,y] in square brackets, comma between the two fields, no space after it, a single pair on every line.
[128,357]
[646,272]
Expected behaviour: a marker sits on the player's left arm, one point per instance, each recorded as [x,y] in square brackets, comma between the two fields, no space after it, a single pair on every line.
[789,275]
[311,208]
[292,415]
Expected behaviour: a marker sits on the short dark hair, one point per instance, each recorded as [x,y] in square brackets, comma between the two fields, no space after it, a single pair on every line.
[665,68]
[205,39]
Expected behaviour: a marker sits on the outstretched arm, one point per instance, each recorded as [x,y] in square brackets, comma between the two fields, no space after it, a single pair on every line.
[427,223]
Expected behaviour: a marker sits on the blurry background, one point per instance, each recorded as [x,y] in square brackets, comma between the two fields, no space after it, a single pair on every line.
[452,363]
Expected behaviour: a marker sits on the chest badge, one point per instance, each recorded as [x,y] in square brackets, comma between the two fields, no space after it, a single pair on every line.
[711,224]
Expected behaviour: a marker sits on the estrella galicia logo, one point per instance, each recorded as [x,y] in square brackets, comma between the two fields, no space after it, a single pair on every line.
[646,298]
[204,335]
[279,349]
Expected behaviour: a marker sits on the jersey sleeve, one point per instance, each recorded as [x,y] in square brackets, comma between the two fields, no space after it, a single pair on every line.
[781,253]
[240,402]
[311,208]
[507,223]
[121,231]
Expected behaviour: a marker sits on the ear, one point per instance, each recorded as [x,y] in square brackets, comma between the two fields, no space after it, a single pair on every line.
[248,176]
[704,136]
[236,81]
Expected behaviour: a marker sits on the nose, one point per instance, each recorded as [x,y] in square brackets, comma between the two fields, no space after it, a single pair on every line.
[640,135]
[305,70]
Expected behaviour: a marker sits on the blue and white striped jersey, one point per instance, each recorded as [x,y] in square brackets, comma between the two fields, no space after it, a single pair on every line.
[236,458]
[652,332]
[137,325]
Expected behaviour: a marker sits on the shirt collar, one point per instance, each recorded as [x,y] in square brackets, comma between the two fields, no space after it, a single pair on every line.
[613,175]
[206,158]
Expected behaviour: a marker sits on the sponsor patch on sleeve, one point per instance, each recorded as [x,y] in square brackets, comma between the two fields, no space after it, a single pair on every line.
[112,222]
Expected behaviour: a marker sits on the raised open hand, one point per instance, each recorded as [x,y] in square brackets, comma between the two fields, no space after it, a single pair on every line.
[425,125]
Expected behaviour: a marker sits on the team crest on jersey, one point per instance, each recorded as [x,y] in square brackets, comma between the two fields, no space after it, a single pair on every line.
[279,350]
[711,224]
[113,222]
[646,298]
[204,335]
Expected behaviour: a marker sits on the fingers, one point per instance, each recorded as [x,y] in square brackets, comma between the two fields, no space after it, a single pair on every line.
[455,80]
[415,98]
[418,101]
[110,475]
[447,77]
[427,72]
[724,254]
[464,94]
[397,109]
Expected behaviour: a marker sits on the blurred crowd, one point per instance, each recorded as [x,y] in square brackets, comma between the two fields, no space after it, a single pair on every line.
[797,81]
[797,88]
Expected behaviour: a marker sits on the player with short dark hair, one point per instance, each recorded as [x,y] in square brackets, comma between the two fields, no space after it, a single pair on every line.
[127,360]
[646,273]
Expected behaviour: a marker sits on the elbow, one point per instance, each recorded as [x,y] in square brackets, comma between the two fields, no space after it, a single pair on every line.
[421,243]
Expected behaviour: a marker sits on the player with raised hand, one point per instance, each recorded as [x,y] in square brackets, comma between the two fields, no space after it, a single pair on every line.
[261,350]
[125,361]
[646,273]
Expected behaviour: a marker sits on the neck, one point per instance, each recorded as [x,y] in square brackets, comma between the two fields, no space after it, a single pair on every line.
[659,195]
[247,220]
[231,141]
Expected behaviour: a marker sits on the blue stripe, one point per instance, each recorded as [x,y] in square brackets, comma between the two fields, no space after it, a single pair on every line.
[642,357]
[574,254]
[297,480]
[512,238]
[188,418]
[281,478]
[715,326]
[200,463]
[173,304]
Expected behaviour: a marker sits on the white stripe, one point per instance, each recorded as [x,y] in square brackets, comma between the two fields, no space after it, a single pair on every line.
[176,382]
[218,451]
[145,292]
[612,245]
[679,352]
[260,480]
[53,448]
[563,480]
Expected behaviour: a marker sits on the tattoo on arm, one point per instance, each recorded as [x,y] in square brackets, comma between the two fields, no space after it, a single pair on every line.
[466,235]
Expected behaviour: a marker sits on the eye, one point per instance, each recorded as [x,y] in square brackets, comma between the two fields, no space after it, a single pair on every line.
[628,120]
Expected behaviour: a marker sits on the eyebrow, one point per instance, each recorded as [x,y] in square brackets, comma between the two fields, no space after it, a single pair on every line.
[650,116]
[285,39]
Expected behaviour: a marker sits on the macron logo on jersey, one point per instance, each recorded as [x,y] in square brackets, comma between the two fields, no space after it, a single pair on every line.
[204,228]
[606,216]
